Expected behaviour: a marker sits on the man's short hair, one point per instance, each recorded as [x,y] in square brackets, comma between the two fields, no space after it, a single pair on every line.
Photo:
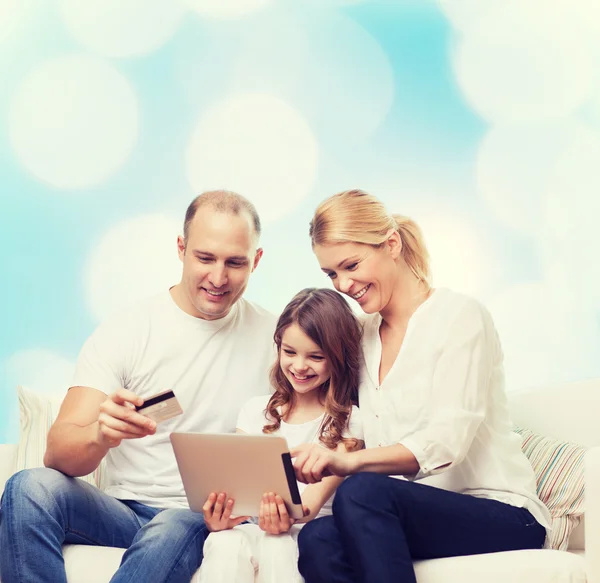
[224,201]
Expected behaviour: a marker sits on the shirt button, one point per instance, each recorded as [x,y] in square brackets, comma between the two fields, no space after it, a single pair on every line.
[377,416]
[379,445]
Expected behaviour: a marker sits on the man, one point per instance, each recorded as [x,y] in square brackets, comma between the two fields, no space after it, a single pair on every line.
[202,340]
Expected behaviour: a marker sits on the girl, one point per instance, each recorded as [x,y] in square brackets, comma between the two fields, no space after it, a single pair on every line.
[315,379]
[433,408]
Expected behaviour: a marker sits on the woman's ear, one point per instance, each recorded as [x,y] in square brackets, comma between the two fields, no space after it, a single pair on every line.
[393,243]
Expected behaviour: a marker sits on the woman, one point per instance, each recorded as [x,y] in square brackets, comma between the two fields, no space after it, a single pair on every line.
[434,415]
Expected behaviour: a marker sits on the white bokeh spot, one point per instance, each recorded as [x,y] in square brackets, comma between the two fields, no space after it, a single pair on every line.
[122,28]
[517,65]
[74,122]
[326,62]
[513,170]
[40,370]
[135,259]
[571,238]
[459,258]
[13,14]
[544,338]
[469,16]
[226,9]
[257,145]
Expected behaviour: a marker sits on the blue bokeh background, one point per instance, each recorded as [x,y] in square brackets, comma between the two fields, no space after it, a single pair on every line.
[481,120]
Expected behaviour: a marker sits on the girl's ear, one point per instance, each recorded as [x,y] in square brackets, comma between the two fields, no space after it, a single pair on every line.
[393,243]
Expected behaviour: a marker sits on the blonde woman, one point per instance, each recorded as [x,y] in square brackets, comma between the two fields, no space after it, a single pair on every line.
[434,413]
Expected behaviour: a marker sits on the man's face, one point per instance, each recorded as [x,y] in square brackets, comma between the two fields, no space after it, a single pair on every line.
[218,258]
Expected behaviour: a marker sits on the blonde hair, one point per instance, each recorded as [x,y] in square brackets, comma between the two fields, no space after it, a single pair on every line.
[354,216]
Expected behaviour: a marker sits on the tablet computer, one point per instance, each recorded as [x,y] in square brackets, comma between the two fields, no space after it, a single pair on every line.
[244,466]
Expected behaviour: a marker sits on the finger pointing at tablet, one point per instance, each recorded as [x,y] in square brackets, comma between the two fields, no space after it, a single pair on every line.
[312,463]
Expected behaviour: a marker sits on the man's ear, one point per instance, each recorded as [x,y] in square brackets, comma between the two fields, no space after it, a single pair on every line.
[394,243]
[257,256]
[180,247]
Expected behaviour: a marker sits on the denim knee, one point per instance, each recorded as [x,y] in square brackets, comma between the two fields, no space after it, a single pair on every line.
[177,524]
[36,485]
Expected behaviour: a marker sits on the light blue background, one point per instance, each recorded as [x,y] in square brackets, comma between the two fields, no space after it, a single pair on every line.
[488,139]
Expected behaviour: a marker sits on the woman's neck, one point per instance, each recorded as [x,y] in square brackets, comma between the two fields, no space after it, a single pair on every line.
[409,293]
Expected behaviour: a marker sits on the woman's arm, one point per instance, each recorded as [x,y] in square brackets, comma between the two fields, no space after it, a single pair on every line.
[313,463]
[315,495]
[455,406]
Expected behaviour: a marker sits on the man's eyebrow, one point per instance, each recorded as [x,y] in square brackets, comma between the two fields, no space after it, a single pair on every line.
[239,258]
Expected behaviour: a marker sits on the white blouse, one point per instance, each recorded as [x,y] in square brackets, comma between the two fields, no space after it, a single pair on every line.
[444,400]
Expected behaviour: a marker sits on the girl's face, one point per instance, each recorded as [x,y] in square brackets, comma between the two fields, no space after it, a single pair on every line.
[302,361]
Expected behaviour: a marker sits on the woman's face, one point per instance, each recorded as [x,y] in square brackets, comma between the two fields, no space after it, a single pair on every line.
[367,274]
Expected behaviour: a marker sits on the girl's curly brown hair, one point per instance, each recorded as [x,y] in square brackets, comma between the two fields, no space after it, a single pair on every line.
[325,317]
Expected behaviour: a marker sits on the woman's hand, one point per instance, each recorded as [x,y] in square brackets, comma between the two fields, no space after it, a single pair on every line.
[312,463]
[273,516]
[217,513]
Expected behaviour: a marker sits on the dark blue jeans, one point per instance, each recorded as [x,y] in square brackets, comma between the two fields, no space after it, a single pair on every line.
[380,525]
[41,509]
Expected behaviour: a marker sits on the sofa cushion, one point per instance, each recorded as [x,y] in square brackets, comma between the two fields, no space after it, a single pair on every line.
[559,473]
[89,564]
[37,413]
[541,566]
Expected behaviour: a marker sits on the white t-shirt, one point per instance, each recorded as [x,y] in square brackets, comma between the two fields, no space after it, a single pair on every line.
[444,400]
[253,417]
[212,366]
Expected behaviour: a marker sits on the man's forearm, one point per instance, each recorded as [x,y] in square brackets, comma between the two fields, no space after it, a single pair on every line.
[73,449]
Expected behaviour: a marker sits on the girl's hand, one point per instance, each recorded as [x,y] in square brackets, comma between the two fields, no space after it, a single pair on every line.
[273,516]
[312,463]
[217,513]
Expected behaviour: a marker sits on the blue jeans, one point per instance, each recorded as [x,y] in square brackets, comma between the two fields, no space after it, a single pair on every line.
[380,525]
[42,509]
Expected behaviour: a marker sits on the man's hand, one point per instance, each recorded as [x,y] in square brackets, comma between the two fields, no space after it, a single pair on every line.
[119,420]
[312,463]
[217,513]
[273,516]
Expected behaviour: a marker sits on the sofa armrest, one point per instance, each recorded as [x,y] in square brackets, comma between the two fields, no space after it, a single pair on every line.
[8,460]
[592,514]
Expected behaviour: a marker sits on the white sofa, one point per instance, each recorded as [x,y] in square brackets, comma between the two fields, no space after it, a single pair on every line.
[567,412]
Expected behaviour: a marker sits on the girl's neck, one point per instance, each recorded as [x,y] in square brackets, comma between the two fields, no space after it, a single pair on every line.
[307,406]
[409,293]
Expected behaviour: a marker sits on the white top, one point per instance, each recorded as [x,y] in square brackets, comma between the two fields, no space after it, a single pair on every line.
[253,417]
[444,400]
[212,367]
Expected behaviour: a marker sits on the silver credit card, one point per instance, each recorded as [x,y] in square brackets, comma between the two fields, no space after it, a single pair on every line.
[161,406]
